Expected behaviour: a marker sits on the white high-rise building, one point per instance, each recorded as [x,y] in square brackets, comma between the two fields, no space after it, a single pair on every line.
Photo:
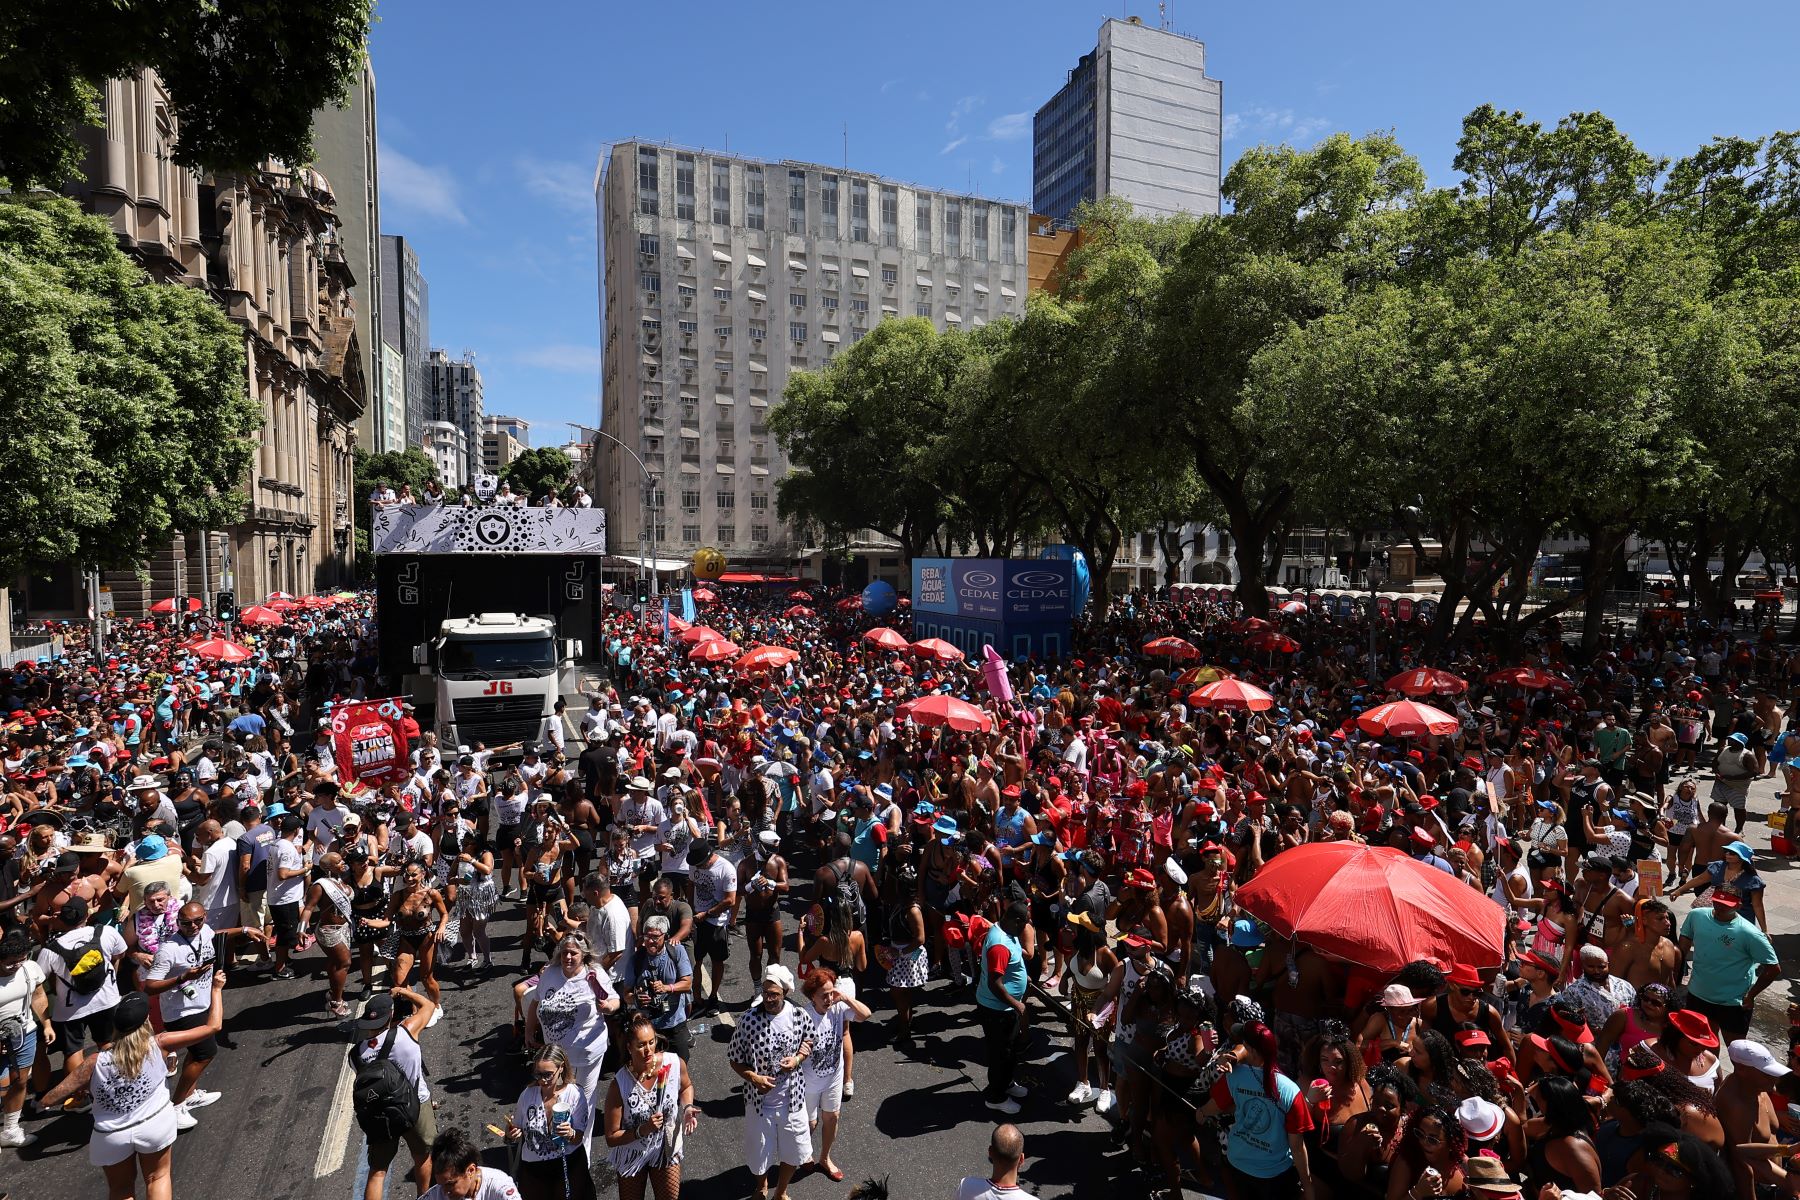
[708,303]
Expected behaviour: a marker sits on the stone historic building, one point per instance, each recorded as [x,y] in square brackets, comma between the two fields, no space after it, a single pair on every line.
[265,245]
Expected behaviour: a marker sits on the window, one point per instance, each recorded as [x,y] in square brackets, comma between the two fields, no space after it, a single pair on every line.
[689,327]
[858,305]
[890,275]
[890,215]
[921,228]
[690,500]
[922,309]
[797,331]
[647,204]
[723,331]
[859,210]
[722,293]
[728,533]
[685,291]
[690,447]
[652,327]
[753,197]
[759,502]
[652,445]
[828,204]
[684,187]
[1009,226]
[726,447]
[651,396]
[653,495]
[759,452]
[978,229]
[721,193]
[796,201]
[758,331]
[647,243]
[727,499]
[650,281]
[759,534]
[690,533]
[797,300]
[828,303]
[952,227]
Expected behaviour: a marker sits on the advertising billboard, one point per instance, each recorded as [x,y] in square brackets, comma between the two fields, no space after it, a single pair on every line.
[995,589]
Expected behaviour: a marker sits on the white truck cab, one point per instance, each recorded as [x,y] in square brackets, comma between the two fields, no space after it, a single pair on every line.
[498,677]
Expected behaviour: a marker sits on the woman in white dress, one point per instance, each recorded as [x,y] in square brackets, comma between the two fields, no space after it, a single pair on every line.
[832,1009]
[649,1109]
[569,1012]
[128,1084]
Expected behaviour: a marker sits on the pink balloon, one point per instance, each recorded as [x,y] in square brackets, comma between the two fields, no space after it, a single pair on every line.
[993,670]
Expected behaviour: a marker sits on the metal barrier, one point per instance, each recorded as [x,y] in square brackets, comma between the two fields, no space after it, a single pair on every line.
[29,648]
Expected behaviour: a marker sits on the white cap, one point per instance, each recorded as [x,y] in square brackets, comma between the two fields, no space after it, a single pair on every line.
[769,838]
[1756,1056]
[1173,870]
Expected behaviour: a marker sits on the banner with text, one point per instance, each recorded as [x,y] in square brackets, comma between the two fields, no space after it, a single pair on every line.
[453,529]
[367,742]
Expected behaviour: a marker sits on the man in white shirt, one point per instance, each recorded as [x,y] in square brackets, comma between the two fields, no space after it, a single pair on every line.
[713,894]
[81,1016]
[212,869]
[326,815]
[1006,1152]
[287,886]
[380,1020]
[181,974]
[608,926]
[595,717]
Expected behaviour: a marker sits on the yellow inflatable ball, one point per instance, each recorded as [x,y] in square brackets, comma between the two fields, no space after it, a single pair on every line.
[708,563]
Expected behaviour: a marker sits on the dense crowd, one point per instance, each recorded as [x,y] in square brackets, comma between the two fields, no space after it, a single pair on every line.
[1062,869]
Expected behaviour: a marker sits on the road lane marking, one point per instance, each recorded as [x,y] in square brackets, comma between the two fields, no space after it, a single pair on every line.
[337,1122]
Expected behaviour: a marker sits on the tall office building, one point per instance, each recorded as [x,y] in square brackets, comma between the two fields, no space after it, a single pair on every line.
[454,385]
[1138,118]
[344,144]
[501,442]
[393,390]
[406,325]
[707,305]
[518,428]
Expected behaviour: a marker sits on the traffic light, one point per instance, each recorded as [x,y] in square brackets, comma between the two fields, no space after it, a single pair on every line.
[643,590]
[225,606]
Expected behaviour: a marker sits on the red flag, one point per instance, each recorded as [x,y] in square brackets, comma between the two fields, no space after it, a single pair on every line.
[367,742]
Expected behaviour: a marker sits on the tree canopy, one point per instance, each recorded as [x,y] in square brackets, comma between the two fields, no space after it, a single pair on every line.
[539,472]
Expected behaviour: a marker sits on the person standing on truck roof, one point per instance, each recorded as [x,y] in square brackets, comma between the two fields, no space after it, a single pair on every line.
[409,728]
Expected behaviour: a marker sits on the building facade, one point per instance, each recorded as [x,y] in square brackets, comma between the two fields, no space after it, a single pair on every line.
[454,385]
[708,305]
[406,325]
[267,246]
[393,391]
[518,427]
[499,444]
[447,446]
[344,141]
[1138,118]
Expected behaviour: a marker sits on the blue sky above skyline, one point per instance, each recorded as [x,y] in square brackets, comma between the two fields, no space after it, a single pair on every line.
[492,118]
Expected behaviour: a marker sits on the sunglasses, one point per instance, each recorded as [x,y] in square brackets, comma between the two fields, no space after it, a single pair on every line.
[545,1076]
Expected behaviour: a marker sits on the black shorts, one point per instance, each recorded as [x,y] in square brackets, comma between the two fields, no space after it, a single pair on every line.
[711,941]
[1731,1020]
[77,1032]
[503,839]
[286,919]
[203,1050]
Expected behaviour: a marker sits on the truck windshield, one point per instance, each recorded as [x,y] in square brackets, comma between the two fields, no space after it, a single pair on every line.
[488,655]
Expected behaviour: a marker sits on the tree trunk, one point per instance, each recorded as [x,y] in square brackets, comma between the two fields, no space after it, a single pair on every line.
[1250,540]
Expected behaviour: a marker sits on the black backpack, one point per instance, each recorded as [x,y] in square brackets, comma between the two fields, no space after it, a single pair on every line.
[385,1101]
[87,966]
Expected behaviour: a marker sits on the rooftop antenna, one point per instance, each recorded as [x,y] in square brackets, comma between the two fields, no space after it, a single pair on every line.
[1162,14]
[846,146]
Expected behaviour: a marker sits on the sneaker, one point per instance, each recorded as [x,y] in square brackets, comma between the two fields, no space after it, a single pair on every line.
[1083,1094]
[13,1137]
[437,1014]
[184,1119]
[200,1098]
[1106,1101]
[1018,1091]
[284,973]
[1009,1106]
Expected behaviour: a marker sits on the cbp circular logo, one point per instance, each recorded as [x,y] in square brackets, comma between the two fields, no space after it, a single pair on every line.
[980,579]
[1038,579]
[492,529]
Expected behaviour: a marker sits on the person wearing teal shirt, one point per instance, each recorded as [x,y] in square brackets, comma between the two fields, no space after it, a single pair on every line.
[1266,1148]
[1730,961]
[1000,1006]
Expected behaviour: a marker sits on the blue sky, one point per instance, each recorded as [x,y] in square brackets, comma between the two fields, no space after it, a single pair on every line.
[492,117]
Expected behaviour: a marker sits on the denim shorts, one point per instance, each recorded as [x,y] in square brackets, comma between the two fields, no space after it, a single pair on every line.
[19,1054]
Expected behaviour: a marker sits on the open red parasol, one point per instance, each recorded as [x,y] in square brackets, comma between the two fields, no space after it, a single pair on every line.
[948,710]
[704,596]
[260,614]
[1250,625]
[715,650]
[166,608]
[1406,718]
[1293,608]
[1428,681]
[766,658]
[1375,906]
[887,639]
[937,649]
[1273,643]
[222,650]
[1527,677]
[802,597]
[799,610]
[693,635]
[1171,647]
[1233,693]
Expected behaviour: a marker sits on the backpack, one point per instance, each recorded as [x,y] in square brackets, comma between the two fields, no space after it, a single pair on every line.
[87,967]
[385,1101]
[845,894]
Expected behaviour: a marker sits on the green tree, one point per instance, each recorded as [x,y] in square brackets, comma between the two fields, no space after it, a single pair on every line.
[393,469]
[128,399]
[539,472]
[245,76]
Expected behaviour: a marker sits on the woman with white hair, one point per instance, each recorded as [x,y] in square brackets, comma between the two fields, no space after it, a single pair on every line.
[569,1012]
[770,1045]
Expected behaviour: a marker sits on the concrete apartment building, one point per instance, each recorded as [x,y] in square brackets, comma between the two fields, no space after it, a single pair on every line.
[720,275]
[1138,118]
[406,325]
[502,440]
[447,446]
[454,385]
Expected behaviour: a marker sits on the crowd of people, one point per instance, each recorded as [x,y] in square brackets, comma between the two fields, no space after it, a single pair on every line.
[1064,873]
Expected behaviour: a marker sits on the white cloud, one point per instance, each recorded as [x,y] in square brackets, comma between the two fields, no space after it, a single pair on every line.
[1009,127]
[954,144]
[962,108]
[1233,123]
[561,184]
[410,188]
[1276,124]
[998,168]
[888,86]
[560,356]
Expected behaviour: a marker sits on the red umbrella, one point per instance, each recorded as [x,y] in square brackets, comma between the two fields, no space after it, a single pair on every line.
[766,658]
[315,602]
[282,604]
[1274,643]
[937,649]
[1375,907]
[1406,718]
[948,710]
[704,596]
[1233,693]
[799,610]
[166,608]
[1293,608]
[676,624]
[887,639]
[1170,647]
[260,614]
[1527,677]
[848,603]
[693,635]
[222,650]
[716,650]
[280,596]
[1250,625]
[799,595]
[1428,681]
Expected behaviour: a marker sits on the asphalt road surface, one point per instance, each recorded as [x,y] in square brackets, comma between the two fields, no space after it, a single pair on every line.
[283,1127]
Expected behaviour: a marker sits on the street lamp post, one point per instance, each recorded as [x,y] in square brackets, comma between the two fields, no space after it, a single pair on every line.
[649,486]
[1374,578]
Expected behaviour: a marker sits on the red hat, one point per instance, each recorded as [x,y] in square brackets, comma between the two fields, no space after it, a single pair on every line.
[1472,1037]
[1303,734]
[1140,878]
[1422,837]
[1724,898]
[1694,1027]
[1135,941]
[1580,1034]
[1372,815]
[1545,1046]
[1629,1072]
[1428,801]
[1011,789]
[1417,756]
[1472,763]
[1463,975]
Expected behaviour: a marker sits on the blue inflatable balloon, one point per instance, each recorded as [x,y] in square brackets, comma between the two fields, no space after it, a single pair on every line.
[1084,582]
[879,598]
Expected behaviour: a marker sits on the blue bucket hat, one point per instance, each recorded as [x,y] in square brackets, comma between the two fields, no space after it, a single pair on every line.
[152,848]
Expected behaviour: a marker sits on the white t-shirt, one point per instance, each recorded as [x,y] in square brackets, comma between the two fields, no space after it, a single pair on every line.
[220,891]
[495,1185]
[285,856]
[532,1114]
[977,1188]
[16,991]
[176,954]
[711,885]
[69,1004]
[405,1053]
[569,1011]
[325,818]
[609,932]
[649,812]
[510,810]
